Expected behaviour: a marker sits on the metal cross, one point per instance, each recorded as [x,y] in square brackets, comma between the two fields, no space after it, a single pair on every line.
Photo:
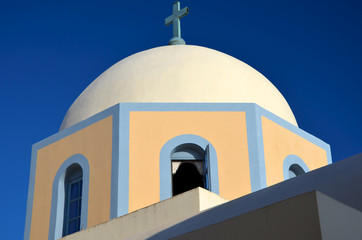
[175,19]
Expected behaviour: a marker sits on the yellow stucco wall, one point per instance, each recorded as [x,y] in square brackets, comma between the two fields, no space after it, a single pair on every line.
[226,131]
[279,143]
[95,143]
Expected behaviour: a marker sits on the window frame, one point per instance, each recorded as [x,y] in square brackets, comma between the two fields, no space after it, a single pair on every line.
[165,163]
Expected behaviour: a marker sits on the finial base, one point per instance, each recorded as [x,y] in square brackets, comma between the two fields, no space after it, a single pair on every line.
[176,41]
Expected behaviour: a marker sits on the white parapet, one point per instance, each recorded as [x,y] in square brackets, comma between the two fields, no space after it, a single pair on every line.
[152,218]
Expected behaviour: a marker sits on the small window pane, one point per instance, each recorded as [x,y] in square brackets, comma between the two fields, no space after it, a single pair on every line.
[73,226]
[74,190]
[73,210]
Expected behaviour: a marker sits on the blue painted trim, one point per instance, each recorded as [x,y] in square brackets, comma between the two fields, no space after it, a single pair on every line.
[289,161]
[120,145]
[29,205]
[243,107]
[114,110]
[58,196]
[77,127]
[329,154]
[203,107]
[123,168]
[165,163]
[294,129]
[255,149]
[115,163]
[223,107]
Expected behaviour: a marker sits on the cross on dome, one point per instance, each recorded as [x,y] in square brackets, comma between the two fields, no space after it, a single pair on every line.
[175,20]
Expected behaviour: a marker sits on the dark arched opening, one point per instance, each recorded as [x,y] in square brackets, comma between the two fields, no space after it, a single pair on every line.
[187,177]
[295,170]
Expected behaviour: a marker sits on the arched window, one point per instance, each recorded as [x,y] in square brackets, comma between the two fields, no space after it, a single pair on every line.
[189,163]
[192,149]
[74,168]
[293,166]
[73,199]
[295,170]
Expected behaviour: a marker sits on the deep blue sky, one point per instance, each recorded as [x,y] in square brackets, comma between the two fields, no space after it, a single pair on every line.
[51,51]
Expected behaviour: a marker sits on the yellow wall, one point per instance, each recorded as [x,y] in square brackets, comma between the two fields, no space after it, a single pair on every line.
[149,131]
[279,143]
[95,143]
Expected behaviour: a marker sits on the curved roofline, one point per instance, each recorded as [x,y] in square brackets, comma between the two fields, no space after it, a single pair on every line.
[179,73]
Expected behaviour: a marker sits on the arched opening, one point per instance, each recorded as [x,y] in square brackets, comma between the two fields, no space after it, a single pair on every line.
[75,167]
[73,199]
[295,170]
[187,177]
[188,148]
[189,168]
[293,166]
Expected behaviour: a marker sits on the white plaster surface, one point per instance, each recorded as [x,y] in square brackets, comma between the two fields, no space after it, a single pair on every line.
[156,216]
[178,74]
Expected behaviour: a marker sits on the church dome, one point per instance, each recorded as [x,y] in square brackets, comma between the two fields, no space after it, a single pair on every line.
[178,74]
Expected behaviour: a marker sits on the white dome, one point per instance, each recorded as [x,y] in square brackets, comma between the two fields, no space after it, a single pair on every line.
[178,73]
